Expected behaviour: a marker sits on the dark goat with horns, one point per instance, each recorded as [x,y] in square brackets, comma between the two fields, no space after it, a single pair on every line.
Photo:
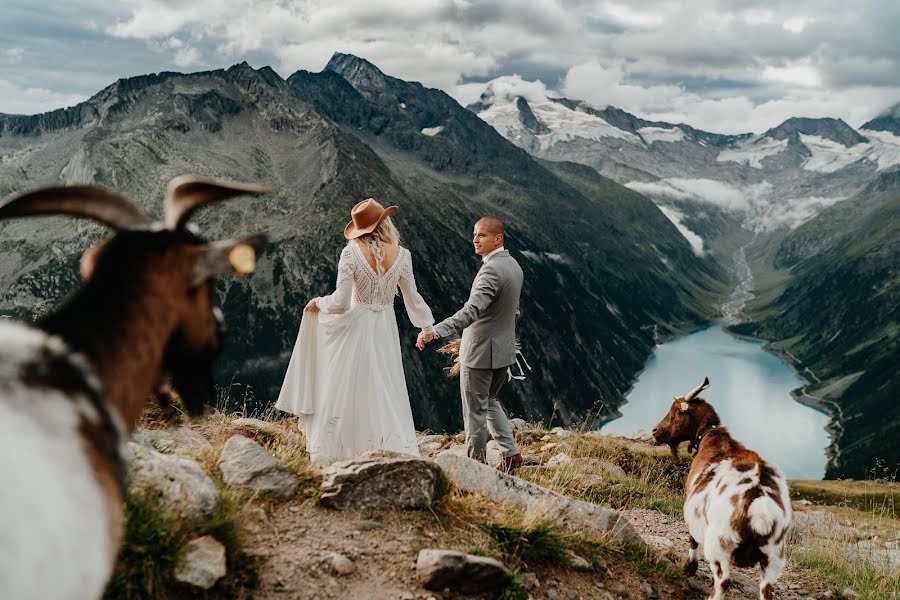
[73,387]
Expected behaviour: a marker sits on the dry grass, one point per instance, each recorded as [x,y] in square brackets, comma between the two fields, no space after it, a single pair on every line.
[652,480]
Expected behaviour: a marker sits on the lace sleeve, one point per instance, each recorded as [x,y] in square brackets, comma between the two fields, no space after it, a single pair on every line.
[339,301]
[416,307]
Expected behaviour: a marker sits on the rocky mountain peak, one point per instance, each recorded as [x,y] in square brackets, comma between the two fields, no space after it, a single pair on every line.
[889,120]
[360,73]
[835,130]
[531,122]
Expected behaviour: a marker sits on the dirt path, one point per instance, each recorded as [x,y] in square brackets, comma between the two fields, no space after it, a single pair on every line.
[295,541]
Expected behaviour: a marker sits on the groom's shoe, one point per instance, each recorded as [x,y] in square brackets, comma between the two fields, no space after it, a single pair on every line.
[508,463]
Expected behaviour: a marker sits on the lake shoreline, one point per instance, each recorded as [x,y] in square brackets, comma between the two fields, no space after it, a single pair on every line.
[668,369]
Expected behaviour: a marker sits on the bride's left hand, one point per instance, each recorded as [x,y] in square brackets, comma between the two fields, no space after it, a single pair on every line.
[311,306]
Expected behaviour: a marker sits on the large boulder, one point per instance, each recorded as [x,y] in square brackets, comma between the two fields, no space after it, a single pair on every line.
[380,479]
[472,476]
[202,563]
[461,573]
[182,485]
[245,463]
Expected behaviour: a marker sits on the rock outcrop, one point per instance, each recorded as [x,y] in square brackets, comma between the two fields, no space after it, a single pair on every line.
[380,479]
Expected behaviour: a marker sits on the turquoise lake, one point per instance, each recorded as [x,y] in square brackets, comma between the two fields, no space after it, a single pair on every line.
[750,390]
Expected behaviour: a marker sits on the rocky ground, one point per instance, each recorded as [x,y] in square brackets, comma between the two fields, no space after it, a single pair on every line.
[294,546]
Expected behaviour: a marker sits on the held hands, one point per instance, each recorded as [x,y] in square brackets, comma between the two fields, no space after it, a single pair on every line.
[311,306]
[424,338]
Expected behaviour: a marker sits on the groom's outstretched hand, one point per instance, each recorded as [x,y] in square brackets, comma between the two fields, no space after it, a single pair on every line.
[423,339]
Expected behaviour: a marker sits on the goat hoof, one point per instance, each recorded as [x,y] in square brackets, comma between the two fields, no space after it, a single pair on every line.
[689,567]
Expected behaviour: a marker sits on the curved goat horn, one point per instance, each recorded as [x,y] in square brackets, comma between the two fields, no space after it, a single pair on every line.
[187,193]
[693,393]
[87,201]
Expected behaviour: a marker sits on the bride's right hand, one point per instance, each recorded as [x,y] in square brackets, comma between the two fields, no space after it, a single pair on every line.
[311,306]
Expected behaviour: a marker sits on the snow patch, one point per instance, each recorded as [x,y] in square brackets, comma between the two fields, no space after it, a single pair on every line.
[752,151]
[676,216]
[564,124]
[433,131]
[828,156]
[661,134]
[885,148]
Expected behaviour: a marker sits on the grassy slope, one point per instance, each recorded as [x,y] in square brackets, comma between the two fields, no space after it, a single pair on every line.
[838,314]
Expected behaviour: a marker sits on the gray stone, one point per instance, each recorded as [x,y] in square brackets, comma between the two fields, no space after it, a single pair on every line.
[380,479]
[531,581]
[494,453]
[183,487]
[559,459]
[552,595]
[849,594]
[339,564]
[367,525]
[530,460]
[472,476]
[181,441]
[518,425]
[649,591]
[610,468]
[562,433]
[202,563]
[590,478]
[245,463]
[821,524]
[462,573]
[578,563]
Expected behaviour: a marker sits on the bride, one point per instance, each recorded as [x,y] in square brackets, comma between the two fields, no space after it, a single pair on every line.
[345,380]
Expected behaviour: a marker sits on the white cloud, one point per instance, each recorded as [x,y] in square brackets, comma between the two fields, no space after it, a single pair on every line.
[15,99]
[727,67]
[799,74]
[14,54]
[677,218]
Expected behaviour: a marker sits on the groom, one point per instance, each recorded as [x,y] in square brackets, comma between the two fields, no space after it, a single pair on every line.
[488,348]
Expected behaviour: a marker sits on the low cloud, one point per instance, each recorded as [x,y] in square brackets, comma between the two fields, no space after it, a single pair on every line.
[31,100]
[677,218]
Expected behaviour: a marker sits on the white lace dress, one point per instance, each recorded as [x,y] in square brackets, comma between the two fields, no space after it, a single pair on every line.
[345,380]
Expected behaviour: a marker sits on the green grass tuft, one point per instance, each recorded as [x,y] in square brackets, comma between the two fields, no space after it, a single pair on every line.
[154,539]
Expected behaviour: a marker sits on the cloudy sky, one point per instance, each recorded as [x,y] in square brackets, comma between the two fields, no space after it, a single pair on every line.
[723,66]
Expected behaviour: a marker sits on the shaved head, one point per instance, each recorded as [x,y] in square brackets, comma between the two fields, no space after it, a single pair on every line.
[491,224]
[488,235]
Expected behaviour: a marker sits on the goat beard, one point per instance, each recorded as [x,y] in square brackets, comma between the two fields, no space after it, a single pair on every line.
[191,378]
[673,448]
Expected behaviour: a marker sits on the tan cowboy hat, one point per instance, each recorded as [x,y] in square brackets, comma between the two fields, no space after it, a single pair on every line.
[366,217]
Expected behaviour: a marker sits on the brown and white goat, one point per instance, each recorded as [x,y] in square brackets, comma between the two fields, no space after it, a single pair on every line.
[737,505]
[73,387]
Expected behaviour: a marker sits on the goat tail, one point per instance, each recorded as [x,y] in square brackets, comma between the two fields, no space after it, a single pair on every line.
[763,514]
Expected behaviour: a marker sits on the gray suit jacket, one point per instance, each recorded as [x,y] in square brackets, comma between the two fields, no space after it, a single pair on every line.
[488,319]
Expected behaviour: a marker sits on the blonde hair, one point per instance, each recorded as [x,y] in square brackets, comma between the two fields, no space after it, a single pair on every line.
[385,233]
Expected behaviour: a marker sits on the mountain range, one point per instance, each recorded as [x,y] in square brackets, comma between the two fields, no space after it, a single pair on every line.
[812,204]
[608,272]
[625,228]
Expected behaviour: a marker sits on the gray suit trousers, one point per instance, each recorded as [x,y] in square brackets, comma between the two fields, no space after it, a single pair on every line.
[482,412]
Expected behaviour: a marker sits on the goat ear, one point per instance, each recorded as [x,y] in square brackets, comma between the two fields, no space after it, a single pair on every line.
[89,260]
[229,256]
[684,406]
